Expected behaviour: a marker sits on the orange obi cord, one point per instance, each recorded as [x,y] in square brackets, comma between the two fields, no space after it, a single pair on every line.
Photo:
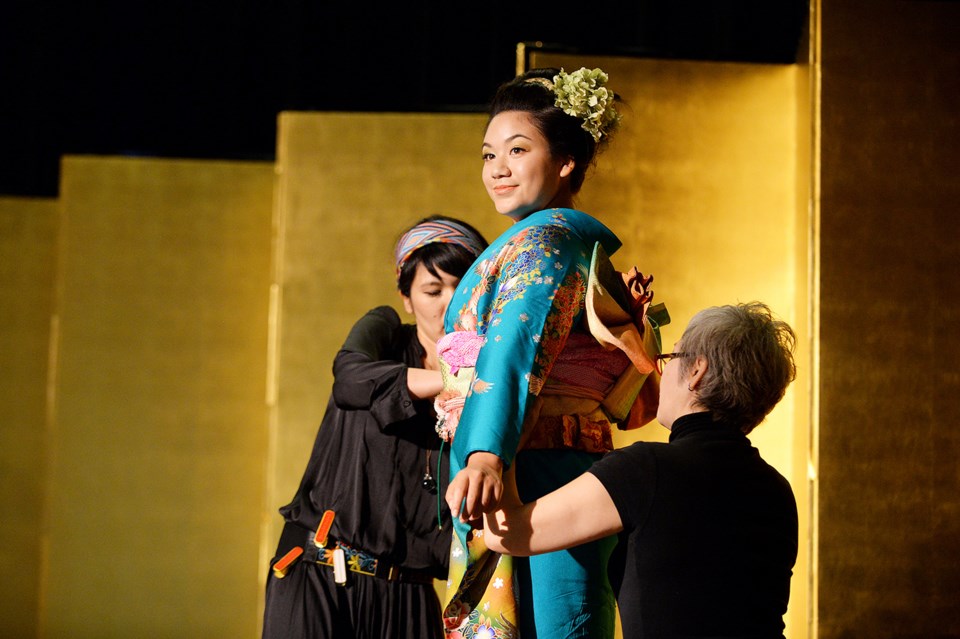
[283,565]
[320,539]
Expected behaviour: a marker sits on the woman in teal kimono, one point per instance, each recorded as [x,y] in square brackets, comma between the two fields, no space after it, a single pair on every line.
[528,387]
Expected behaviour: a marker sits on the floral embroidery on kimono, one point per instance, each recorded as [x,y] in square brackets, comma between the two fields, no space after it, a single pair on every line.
[522,298]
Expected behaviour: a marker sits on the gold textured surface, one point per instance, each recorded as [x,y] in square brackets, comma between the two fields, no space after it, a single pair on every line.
[158,451]
[159,444]
[706,183]
[889,443]
[28,230]
[160,431]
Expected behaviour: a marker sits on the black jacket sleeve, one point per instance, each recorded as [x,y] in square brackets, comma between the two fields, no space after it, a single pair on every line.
[369,370]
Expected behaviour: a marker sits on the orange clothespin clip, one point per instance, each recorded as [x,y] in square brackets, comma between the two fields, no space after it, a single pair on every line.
[283,565]
[320,539]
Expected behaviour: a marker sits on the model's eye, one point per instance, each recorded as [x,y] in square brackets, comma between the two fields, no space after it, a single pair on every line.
[487,157]
[517,150]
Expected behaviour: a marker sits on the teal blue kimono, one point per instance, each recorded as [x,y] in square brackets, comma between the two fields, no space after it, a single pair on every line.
[525,295]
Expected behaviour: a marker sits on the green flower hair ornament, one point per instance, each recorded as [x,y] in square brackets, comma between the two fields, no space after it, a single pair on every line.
[582,95]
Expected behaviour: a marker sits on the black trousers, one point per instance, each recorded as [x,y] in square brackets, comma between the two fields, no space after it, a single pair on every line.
[308,604]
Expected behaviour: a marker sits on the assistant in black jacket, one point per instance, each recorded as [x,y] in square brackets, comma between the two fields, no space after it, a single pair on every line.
[377,466]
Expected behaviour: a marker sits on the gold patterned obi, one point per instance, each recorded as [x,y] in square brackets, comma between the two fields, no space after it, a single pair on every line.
[569,412]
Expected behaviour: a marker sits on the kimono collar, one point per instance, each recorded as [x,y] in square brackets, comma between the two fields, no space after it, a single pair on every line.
[586,226]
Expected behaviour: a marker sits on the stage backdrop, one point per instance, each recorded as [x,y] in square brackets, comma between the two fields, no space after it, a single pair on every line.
[158,423]
[198,306]
[159,400]
[708,186]
[28,234]
[889,509]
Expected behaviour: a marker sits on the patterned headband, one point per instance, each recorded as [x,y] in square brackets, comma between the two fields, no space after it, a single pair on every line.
[443,231]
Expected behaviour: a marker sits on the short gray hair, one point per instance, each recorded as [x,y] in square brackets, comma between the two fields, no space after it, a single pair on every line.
[749,357]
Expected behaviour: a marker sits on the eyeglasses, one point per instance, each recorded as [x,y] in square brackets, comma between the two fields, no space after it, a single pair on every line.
[663,358]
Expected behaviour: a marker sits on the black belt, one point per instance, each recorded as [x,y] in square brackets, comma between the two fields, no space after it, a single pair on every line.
[363,563]
[358,561]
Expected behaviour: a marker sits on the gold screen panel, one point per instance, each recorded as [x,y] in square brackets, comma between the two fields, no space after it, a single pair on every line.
[706,185]
[889,551]
[159,437]
[28,232]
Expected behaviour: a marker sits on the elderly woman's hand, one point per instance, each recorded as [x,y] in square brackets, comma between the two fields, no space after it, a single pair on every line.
[476,489]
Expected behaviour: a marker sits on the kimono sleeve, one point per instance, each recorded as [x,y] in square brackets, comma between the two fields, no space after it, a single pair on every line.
[533,302]
[368,371]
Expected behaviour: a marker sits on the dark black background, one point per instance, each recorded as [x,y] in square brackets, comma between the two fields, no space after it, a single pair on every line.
[207,78]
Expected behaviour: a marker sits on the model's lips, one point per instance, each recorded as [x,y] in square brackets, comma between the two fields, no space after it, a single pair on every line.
[503,189]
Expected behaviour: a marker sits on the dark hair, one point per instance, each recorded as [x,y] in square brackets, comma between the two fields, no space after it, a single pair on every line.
[564,133]
[749,357]
[449,258]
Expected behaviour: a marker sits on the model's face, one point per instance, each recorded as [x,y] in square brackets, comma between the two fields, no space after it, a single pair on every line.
[428,300]
[519,173]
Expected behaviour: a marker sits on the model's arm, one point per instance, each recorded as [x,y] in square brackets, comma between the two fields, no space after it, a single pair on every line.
[478,487]
[574,514]
[527,325]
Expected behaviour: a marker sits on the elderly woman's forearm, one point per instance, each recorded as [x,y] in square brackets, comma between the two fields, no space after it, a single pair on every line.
[576,513]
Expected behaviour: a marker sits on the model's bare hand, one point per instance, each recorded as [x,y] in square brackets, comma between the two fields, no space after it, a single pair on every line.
[477,488]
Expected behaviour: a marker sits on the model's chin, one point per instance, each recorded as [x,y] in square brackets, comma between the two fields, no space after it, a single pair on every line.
[515,214]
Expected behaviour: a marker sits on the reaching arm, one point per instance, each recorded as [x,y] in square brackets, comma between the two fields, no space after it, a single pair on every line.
[370,374]
[574,514]
[423,383]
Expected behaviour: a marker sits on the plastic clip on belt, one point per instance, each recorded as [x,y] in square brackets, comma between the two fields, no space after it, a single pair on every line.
[282,567]
[343,558]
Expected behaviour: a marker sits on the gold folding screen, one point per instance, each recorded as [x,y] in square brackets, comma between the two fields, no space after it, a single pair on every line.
[889,509]
[199,310]
[28,231]
[159,421]
[706,184]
